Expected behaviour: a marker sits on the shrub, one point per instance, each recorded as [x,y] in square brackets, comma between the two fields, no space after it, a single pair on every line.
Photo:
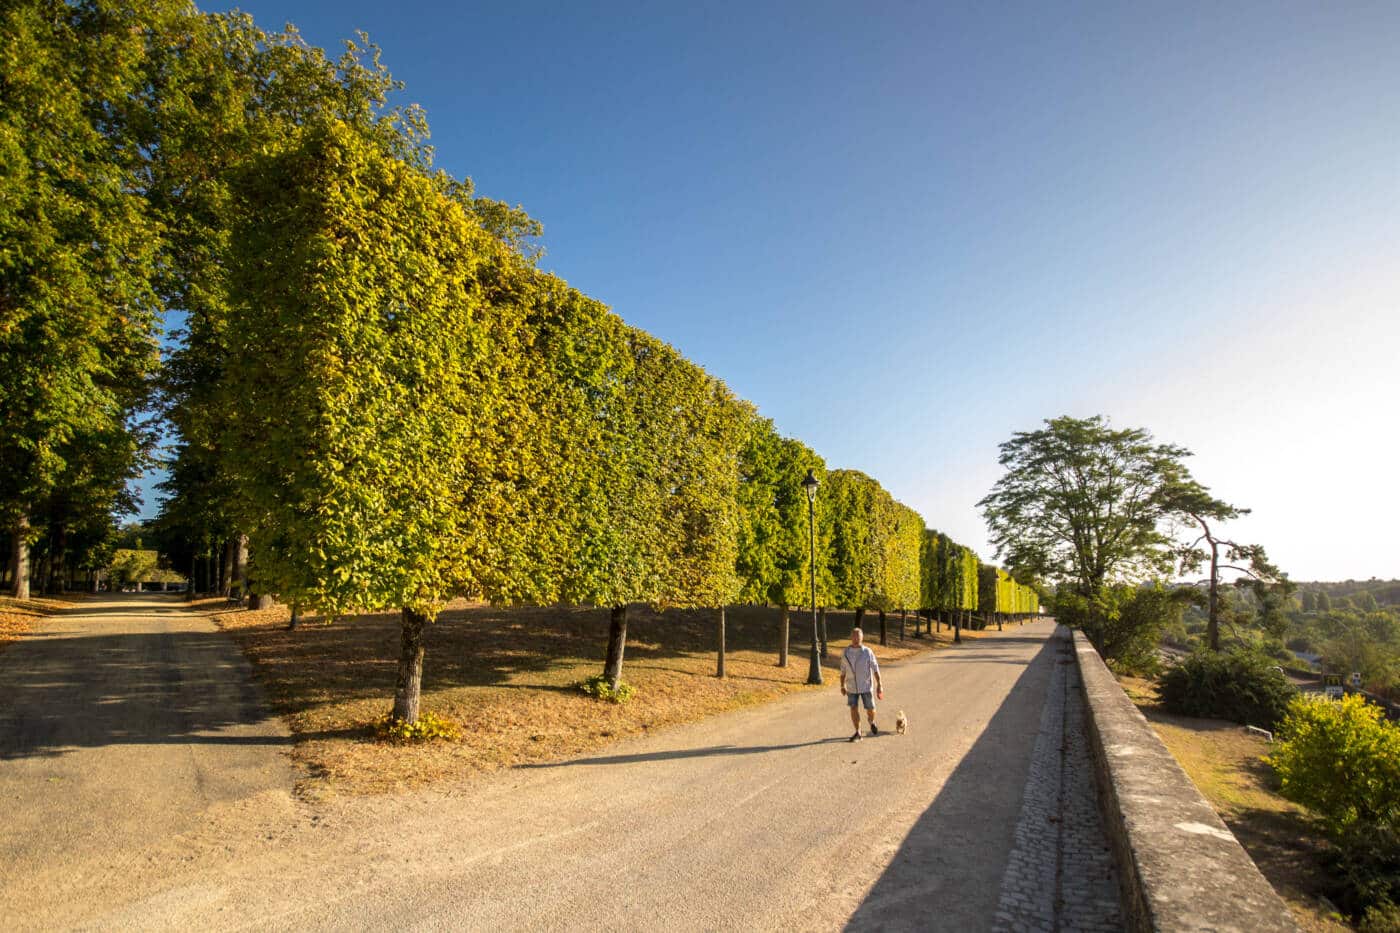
[428,726]
[1240,686]
[598,686]
[1340,759]
[1124,623]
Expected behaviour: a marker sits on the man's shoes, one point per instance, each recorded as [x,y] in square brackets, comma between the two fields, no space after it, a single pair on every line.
[874,729]
[855,738]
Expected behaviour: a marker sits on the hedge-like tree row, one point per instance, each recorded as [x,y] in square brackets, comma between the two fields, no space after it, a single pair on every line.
[381,400]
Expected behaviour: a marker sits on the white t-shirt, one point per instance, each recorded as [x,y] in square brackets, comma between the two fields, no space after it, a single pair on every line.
[860,667]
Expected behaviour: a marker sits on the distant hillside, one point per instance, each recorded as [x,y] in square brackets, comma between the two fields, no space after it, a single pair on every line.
[1386,592]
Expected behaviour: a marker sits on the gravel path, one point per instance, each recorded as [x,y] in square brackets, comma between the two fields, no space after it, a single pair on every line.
[171,808]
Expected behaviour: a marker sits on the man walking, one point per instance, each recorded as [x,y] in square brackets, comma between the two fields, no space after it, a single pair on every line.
[859,665]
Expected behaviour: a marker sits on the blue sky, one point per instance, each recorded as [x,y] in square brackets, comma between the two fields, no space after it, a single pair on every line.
[906,230]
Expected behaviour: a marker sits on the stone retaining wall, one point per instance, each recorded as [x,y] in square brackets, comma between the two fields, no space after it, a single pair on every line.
[1179,867]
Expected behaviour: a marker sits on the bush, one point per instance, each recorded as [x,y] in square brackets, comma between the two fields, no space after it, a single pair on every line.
[1124,623]
[1341,760]
[598,686]
[1240,686]
[428,726]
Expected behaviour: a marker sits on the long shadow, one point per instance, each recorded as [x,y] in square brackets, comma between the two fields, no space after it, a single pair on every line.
[707,752]
[153,688]
[947,873]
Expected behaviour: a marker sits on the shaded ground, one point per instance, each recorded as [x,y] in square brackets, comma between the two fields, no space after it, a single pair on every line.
[762,819]
[124,721]
[508,676]
[1225,763]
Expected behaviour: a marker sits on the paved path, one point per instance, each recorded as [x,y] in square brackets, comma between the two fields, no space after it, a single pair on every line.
[762,819]
[123,722]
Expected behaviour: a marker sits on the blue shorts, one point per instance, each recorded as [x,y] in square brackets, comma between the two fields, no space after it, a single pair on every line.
[867,698]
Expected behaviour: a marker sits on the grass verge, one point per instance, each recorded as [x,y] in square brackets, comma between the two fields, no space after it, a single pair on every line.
[508,676]
[1225,763]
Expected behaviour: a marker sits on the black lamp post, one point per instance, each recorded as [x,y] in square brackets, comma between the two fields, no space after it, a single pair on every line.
[810,484]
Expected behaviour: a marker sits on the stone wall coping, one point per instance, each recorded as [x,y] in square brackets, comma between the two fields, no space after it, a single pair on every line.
[1180,867]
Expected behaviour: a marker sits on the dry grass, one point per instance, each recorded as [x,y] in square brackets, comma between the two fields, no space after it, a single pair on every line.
[17,616]
[508,675]
[1225,763]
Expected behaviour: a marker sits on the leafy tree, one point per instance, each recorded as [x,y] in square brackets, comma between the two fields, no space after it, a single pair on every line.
[77,311]
[1324,601]
[1269,584]
[773,562]
[856,555]
[1309,601]
[364,445]
[1083,504]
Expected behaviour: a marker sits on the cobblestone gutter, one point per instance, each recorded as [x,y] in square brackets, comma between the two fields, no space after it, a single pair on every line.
[1060,874]
[1179,867]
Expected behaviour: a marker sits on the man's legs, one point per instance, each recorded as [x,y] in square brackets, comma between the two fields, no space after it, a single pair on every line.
[855,714]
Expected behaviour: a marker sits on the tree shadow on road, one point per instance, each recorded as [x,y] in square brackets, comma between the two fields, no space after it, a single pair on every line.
[150,688]
[707,752]
[947,872]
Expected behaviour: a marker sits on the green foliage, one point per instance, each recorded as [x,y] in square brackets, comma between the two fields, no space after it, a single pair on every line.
[1240,686]
[1082,504]
[77,259]
[773,562]
[359,440]
[130,567]
[426,727]
[599,687]
[1124,623]
[1341,759]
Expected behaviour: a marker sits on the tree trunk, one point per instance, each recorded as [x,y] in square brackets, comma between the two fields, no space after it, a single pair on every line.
[93,580]
[902,614]
[21,557]
[822,616]
[998,621]
[784,627]
[295,620]
[1213,626]
[860,616]
[957,626]
[261,601]
[617,642]
[240,565]
[57,565]
[719,665]
[194,569]
[226,570]
[408,689]
[884,633]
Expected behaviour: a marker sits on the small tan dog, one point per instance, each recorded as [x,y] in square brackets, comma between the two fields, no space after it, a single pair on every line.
[901,723]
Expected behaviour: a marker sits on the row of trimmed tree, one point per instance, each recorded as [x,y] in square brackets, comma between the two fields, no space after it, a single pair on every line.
[380,400]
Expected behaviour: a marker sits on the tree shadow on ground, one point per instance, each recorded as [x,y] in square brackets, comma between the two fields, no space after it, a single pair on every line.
[78,691]
[947,872]
[518,647]
[706,752]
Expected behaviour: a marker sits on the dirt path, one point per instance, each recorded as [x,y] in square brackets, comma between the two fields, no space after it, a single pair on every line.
[762,819]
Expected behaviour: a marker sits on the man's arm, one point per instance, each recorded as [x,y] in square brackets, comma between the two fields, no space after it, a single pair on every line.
[879,684]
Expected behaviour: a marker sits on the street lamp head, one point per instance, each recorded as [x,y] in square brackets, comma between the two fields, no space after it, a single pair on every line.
[810,483]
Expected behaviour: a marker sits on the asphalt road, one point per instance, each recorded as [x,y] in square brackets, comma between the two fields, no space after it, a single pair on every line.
[131,817]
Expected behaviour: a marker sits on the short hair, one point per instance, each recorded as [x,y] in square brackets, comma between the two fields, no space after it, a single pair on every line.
[858,631]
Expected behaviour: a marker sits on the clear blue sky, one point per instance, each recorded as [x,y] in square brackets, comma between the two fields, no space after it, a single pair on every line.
[906,230]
